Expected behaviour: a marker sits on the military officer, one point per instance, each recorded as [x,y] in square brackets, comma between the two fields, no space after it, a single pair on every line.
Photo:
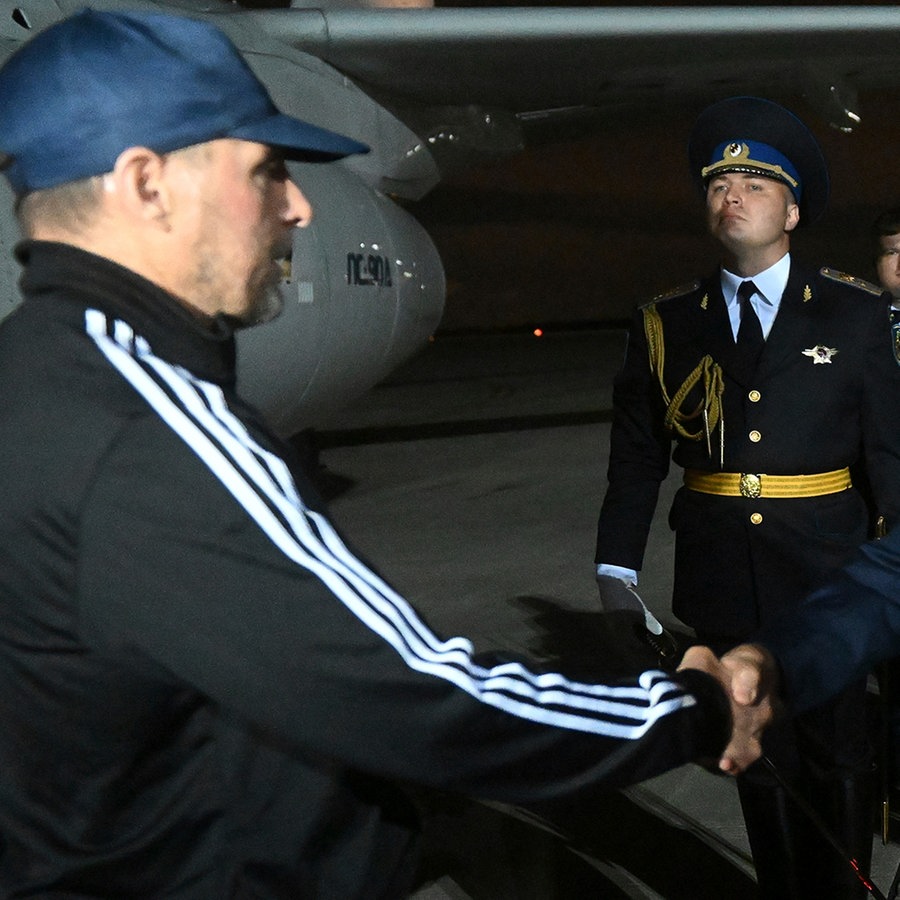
[886,238]
[772,379]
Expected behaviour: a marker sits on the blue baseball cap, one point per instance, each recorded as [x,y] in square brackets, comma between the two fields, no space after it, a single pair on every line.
[89,87]
[751,134]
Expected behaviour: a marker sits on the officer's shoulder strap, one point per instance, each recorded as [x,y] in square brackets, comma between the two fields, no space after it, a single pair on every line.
[681,291]
[851,280]
[653,327]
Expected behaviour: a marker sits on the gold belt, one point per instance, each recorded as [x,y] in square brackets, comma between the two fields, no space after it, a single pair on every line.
[736,484]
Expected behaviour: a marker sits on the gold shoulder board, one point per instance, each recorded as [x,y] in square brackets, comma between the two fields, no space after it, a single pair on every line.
[852,280]
[680,291]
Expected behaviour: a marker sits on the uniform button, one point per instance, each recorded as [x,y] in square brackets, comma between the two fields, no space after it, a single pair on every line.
[755,436]
[754,396]
[756,518]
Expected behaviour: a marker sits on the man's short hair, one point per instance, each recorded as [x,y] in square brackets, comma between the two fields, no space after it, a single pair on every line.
[887,222]
[72,206]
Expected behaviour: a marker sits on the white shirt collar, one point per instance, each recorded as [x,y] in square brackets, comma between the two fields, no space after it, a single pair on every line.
[770,283]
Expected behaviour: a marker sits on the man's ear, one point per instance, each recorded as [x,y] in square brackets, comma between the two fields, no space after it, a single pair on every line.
[138,185]
[792,218]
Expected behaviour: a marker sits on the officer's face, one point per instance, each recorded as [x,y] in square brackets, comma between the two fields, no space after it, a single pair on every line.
[888,263]
[750,214]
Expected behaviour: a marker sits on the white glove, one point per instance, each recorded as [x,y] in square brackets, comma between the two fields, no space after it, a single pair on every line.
[616,594]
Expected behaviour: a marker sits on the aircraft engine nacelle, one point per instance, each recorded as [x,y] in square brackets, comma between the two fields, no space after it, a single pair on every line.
[366,286]
[365,291]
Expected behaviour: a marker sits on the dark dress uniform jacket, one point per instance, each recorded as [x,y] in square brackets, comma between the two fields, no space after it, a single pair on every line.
[824,395]
[205,693]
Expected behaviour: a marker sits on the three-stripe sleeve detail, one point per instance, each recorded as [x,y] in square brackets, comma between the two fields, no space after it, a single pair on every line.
[261,483]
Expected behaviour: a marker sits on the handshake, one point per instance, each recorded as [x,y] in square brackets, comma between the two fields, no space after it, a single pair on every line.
[747,674]
[749,677]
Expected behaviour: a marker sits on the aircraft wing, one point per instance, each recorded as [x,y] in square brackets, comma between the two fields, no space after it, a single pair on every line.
[468,82]
[528,60]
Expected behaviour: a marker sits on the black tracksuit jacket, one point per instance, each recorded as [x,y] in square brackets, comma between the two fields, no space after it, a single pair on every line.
[204,693]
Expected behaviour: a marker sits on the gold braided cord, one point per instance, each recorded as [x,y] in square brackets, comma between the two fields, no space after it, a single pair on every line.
[707,370]
[710,407]
[655,344]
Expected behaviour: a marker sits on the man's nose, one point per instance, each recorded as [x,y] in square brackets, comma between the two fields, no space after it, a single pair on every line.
[299,211]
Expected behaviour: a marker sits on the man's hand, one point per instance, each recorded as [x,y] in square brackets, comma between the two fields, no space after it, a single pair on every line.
[747,677]
[754,674]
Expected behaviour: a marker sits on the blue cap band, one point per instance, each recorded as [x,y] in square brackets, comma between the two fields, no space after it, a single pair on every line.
[91,86]
[754,157]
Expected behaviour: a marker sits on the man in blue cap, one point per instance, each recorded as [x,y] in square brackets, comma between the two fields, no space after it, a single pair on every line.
[204,693]
[772,379]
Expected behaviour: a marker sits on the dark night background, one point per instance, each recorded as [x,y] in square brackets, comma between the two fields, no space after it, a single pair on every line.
[583,230]
[589,221]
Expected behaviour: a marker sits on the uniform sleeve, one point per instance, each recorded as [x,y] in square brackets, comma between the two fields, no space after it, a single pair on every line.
[842,629]
[639,457]
[880,409]
[203,566]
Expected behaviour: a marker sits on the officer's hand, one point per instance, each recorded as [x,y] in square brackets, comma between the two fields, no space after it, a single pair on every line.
[618,596]
[742,677]
[622,602]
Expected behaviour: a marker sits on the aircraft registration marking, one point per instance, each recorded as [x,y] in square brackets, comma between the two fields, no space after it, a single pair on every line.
[369,268]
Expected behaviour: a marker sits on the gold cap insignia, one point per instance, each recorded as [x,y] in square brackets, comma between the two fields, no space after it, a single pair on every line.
[736,158]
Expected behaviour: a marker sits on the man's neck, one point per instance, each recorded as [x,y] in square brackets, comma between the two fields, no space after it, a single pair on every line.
[748,262]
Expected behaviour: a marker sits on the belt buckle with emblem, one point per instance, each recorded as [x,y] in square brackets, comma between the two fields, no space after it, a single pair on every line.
[750,486]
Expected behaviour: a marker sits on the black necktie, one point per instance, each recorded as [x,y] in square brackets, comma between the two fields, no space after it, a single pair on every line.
[750,337]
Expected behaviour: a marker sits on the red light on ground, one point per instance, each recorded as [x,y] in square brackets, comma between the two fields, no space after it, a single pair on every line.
[538,332]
